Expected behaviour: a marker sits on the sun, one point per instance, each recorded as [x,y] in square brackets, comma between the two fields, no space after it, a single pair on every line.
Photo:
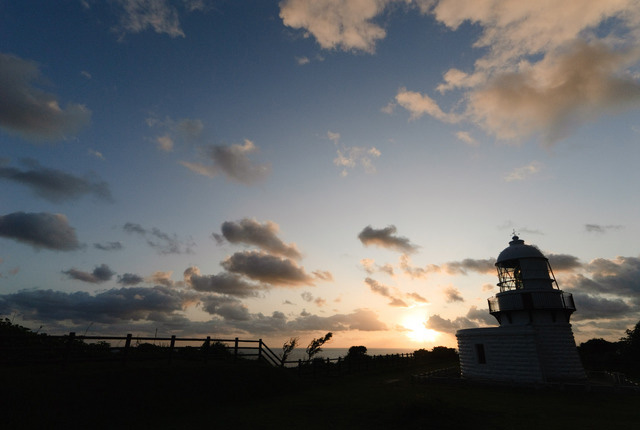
[417,330]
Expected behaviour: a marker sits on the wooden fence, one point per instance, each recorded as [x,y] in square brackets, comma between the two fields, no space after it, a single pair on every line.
[75,348]
[72,348]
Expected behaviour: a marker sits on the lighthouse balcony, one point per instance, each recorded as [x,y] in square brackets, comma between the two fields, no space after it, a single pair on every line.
[517,300]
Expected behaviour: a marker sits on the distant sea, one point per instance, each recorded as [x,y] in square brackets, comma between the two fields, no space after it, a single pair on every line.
[299,353]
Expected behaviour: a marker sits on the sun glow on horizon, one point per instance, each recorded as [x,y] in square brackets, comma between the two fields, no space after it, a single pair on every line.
[417,331]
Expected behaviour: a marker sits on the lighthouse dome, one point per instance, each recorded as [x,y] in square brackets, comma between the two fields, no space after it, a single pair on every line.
[517,250]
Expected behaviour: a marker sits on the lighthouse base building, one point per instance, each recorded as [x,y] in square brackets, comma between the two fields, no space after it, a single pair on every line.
[534,342]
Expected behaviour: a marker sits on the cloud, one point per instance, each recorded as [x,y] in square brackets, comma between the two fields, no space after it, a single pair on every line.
[184,130]
[488,287]
[481,316]
[437,323]
[267,268]
[222,283]
[385,238]
[619,276]
[165,143]
[563,262]
[348,157]
[335,24]
[370,267]
[478,266]
[524,172]
[323,275]
[100,274]
[547,69]
[360,319]
[416,272]
[232,161]
[395,299]
[593,307]
[264,236]
[96,154]
[417,298]
[452,294]
[466,138]
[162,278]
[29,111]
[419,104]
[229,308]
[140,15]
[475,318]
[130,279]
[40,230]
[597,228]
[55,185]
[162,242]
[111,306]
[108,246]
[544,69]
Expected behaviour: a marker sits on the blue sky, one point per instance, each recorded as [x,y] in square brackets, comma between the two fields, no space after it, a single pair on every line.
[277,169]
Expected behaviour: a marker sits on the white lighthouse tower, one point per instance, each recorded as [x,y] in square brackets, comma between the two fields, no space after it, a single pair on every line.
[534,342]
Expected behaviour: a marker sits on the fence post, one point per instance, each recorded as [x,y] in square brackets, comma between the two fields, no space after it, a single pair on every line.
[171,346]
[299,366]
[235,350]
[127,346]
[259,349]
[205,348]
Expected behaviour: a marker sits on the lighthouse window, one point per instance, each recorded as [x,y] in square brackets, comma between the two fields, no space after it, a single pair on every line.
[510,276]
[482,358]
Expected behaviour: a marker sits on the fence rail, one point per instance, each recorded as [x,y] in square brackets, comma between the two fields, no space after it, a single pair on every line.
[73,348]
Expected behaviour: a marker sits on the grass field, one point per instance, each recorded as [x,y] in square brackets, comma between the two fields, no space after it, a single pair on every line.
[248,395]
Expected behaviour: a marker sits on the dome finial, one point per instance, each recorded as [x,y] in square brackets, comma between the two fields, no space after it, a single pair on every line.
[515,237]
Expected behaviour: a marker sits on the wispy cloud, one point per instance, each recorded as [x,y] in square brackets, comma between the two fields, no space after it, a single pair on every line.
[108,246]
[385,291]
[466,137]
[233,161]
[55,185]
[170,131]
[524,172]
[162,242]
[348,157]
[420,104]
[140,15]
[598,228]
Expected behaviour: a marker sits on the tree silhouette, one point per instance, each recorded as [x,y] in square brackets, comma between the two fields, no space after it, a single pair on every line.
[631,343]
[357,353]
[315,346]
[288,347]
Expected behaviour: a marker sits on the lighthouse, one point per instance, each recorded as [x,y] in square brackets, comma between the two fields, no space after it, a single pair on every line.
[533,342]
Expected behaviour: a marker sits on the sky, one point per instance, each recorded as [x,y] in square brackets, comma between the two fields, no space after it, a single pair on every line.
[277,169]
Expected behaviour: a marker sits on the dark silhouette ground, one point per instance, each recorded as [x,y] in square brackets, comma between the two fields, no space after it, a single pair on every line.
[248,395]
